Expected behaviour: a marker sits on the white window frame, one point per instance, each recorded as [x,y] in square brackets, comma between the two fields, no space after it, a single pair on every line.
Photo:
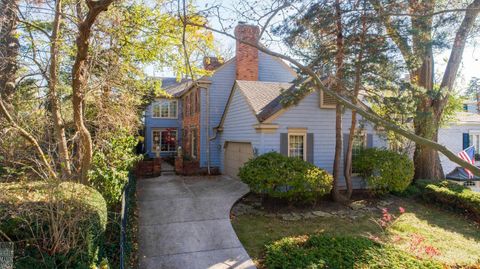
[159,104]
[474,135]
[161,130]
[304,135]
[364,135]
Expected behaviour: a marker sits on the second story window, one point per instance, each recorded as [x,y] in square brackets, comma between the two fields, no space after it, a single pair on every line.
[166,109]
[187,105]
[192,104]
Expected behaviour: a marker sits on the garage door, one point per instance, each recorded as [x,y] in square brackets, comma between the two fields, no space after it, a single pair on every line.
[236,154]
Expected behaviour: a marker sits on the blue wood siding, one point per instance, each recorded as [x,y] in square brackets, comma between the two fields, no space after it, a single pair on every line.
[269,69]
[219,91]
[273,69]
[154,123]
[238,125]
[320,122]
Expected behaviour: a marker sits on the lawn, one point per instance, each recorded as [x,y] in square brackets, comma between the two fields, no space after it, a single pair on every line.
[455,240]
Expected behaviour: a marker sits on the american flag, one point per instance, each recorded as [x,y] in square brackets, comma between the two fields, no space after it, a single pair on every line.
[468,155]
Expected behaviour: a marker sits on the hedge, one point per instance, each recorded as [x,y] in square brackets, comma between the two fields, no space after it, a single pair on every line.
[31,214]
[450,195]
[322,251]
[385,170]
[284,177]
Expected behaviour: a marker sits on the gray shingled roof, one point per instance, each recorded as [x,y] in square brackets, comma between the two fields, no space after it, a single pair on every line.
[179,88]
[174,87]
[264,97]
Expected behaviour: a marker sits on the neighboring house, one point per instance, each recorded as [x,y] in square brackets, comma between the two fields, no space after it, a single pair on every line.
[461,133]
[225,119]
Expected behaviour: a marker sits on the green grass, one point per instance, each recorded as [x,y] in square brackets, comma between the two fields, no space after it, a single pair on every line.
[457,239]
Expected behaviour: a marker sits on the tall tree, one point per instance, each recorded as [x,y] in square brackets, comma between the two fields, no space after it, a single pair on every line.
[339,76]
[80,79]
[415,41]
[335,45]
[55,110]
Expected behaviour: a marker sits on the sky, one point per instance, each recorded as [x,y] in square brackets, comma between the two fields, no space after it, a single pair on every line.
[470,63]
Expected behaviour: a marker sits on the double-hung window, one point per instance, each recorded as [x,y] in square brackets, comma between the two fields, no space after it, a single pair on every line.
[194,143]
[166,109]
[359,143]
[297,143]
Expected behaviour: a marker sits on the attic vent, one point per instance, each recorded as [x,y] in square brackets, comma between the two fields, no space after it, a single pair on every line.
[327,101]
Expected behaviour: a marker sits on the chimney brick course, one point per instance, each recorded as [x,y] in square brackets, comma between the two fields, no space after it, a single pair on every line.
[246,55]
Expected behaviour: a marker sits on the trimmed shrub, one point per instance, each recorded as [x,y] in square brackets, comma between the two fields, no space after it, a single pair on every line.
[451,195]
[279,176]
[321,251]
[385,170]
[53,225]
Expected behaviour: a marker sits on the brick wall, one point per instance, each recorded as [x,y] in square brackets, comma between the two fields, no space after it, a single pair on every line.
[247,56]
[191,121]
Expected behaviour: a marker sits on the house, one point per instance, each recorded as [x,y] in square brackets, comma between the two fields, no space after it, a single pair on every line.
[462,132]
[222,120]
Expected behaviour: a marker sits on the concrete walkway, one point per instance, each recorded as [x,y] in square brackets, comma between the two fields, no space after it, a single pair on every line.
[184,222]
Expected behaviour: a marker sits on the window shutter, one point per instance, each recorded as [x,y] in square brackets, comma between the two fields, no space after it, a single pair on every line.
[466,140]
[345,144]
[284,144]
[369,141]
[310,148]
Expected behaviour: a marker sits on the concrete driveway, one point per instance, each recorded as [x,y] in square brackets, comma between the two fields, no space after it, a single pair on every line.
[184,222]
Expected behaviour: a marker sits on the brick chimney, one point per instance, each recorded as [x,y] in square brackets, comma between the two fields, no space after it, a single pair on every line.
[247,56]
[212,63]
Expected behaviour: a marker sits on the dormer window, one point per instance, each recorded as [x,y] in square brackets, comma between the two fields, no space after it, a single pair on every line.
[165,109]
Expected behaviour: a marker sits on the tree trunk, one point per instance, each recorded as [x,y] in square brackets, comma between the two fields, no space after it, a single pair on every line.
[58,123]
[353,124]
[339,57]
[80,77]
[9,48]
[426,160]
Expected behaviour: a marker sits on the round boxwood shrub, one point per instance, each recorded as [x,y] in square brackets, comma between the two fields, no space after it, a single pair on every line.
[385,170]
[323,251]
[279,176]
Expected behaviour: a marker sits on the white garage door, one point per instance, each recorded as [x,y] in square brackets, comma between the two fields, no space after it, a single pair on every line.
[236,154]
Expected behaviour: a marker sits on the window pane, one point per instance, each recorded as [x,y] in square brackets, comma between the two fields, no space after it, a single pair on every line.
[169,140]
[155,140]
[296,146]
[194,143]
[164,110]
[357,147]
[193,103]
[173,109]
[156,110]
